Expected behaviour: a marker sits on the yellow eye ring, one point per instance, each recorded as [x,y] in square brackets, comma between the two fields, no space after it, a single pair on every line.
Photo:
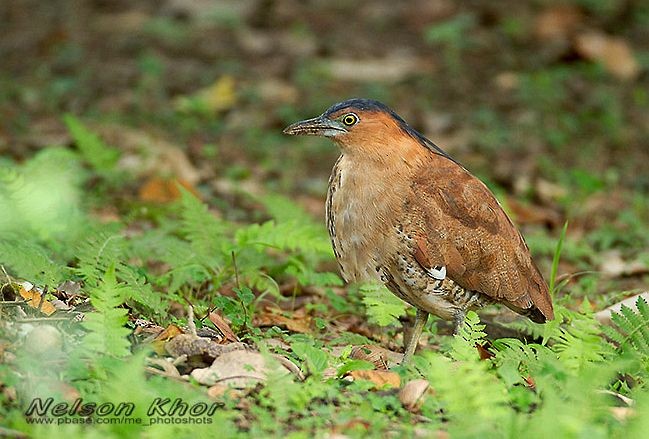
[349,119]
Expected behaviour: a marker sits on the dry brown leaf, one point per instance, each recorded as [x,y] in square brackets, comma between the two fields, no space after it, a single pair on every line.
[380,378]
[613,52]
[530,382]
[34,298]
[161,339]
[223,326]
[381,358]
[301,324]
[558,22]
[412,394]
[163,190]
[483,352]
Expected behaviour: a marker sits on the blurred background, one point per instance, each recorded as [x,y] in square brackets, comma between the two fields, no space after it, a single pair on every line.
[546,101]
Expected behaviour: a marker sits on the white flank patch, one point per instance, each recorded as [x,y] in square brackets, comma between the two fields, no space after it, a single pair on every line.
[438,273]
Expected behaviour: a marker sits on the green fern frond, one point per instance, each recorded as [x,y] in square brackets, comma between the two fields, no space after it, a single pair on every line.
[107,333]
[31,261]
[285,210]
[99,155]
[463,388]
[470,334]
[631,330]
[202,229]
[105,252]
[383,308]
[284,236]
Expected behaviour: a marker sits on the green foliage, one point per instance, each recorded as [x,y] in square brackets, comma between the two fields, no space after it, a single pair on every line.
[93,150]
[469,335]
[316,360]
[383,307]
[107,333]
[42,197]
[104,253]
[631,330]
[466,386]
[31,260]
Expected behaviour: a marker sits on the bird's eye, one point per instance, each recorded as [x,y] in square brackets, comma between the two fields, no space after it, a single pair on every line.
[349,119]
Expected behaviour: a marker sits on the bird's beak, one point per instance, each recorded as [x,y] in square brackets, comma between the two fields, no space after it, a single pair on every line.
[318,126]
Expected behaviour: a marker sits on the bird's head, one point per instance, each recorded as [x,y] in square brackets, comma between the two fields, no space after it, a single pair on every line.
[366,126]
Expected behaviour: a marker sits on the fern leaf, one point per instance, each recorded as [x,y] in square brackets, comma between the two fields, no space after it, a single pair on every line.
[633,328]
[99,155]
[107,333]
[470,334]
[202,229]
[31,261]
[383,307]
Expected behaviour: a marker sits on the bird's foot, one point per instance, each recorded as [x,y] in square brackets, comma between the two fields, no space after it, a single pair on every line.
[420,321]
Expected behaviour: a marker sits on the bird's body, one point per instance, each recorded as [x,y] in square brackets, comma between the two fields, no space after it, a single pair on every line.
[402,212]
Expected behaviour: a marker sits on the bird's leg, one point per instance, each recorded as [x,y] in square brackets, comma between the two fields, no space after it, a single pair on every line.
[420,321]
[458,321]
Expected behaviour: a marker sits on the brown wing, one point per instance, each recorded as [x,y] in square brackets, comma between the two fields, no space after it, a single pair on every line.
[458,223]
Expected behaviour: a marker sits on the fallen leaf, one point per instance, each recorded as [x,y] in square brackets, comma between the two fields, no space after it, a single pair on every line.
[223,326]
[613,52]
[69,288]
[380,378]
[299,324]
[34,298]
[163,190]
[167,334]
[412,394]
[483,352]
[239,369]
[530,382]
[381,358]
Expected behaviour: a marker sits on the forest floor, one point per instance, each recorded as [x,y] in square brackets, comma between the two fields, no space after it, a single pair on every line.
[160,237]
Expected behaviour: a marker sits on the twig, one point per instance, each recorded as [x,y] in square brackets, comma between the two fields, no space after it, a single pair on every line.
[190,320]
[6,274]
